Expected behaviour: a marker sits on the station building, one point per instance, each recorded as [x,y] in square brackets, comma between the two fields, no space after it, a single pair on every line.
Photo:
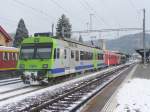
[5,39]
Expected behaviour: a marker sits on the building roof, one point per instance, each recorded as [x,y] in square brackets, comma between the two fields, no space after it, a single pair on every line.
[7,37]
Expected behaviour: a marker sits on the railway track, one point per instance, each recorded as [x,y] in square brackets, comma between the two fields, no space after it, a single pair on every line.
[13,89]
[10,81]
[10,88]
[17,92]
[74,98]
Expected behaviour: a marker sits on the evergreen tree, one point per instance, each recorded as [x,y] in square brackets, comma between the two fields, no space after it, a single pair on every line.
[80,39]
[21,33]
[63,27]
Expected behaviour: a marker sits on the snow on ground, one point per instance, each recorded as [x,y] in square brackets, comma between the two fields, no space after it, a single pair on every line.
[26,100]
[134,96]
[15,93]
[11,87]
[10,79]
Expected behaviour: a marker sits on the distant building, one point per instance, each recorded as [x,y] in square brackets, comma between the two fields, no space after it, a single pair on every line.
[5,39]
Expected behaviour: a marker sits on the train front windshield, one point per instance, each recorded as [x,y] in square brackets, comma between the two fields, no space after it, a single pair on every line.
[35,51]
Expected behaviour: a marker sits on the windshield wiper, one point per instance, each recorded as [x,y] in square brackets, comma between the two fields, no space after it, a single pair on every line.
[39,56]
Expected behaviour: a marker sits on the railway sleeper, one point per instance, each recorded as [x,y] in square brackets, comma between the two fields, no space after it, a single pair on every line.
[56,108]
[66,102]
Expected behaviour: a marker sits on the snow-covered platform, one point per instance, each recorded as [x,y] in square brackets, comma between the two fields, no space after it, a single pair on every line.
[133,95]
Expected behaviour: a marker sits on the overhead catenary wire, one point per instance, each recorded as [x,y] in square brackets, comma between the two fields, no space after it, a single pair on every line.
[34,9]
[133,6]
[58,5]
[110,30]
[13,23]
[91,10]
[137,12]
[64,9]
[87,6]
[114,16]
[96,14]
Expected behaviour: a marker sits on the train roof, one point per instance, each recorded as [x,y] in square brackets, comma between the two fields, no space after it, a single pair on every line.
[50,39]
[80,43]
[4,48]
[49,34]
[117,52]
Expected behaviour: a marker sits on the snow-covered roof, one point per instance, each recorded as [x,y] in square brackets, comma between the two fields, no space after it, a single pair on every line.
[8,48]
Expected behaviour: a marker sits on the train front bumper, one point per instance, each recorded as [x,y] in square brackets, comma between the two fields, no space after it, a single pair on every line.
[32,77]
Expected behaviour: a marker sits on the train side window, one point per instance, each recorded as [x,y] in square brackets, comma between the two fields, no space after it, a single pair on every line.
[55,53]
[81,55]
[58,53]
[14,56]
[65,53]
[84,55]
[72,54]
[77,55]
[102,57]
[1,56]
[8,56]
[11,56]
[5,56]
[92,56]
[89,56]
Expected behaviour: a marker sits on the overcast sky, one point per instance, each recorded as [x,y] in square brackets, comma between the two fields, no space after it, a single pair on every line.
[40,14]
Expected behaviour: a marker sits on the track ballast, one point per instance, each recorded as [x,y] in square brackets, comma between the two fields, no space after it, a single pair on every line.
[74,98]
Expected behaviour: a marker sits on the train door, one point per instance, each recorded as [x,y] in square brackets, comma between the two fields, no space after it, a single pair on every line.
[72,61]
[66,60]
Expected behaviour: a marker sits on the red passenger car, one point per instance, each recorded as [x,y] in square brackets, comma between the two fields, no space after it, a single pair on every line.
[111,58]
[8,58]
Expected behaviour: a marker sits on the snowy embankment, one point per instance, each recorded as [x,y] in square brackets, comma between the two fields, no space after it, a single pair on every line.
[27,100]
[134,96]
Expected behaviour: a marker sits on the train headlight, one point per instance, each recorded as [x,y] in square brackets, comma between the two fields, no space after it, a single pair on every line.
[45,66]
[21,66]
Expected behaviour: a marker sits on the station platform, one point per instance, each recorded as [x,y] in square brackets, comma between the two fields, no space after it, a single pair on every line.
[132,94]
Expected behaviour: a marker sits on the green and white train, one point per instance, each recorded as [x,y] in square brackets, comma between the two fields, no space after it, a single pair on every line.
[43,58]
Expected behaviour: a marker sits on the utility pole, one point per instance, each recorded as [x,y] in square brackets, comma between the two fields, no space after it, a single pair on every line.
[87,26]
[52,29]
[91,24]
[144,36]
